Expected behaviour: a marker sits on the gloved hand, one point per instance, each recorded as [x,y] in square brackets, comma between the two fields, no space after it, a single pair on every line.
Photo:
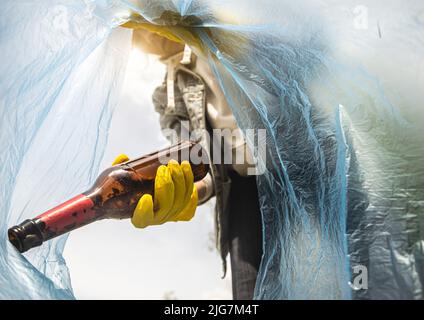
[175,196]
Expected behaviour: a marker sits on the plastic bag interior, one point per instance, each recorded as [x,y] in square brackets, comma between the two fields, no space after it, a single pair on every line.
[335,85]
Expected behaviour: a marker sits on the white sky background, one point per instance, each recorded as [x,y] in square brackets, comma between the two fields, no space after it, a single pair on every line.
[112,259]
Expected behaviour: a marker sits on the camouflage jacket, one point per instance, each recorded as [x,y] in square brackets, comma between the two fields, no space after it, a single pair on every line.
[189,106]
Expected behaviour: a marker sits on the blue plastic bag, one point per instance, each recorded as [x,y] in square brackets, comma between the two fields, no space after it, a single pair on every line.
[335,85]
[60,75]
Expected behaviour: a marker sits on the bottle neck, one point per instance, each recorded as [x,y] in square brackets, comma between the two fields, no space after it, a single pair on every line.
[68,216]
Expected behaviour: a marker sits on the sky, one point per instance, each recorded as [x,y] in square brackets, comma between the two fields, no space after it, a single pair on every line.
[113,260]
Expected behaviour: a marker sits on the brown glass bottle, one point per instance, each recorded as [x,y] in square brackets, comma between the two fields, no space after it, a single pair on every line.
[114,195]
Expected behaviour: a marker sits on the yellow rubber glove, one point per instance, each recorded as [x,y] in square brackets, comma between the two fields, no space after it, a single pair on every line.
[175,196]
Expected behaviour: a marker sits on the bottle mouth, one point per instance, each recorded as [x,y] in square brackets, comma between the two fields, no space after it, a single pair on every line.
[25,236]
[14,239]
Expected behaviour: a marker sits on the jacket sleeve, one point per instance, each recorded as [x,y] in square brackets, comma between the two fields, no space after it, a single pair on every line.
[171,120]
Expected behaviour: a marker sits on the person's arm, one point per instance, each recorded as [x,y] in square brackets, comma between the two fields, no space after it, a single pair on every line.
[153,42]
[205,189]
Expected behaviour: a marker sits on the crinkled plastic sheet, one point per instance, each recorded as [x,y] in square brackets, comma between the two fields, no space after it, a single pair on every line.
[339,99]
[60,72]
